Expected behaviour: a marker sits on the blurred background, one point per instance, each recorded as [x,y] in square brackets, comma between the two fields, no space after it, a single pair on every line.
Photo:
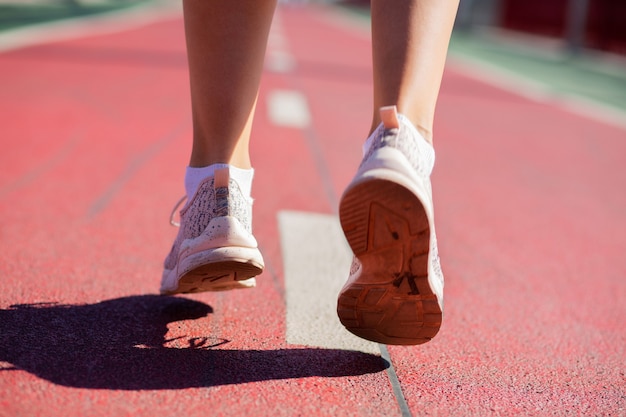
[17,13]
[571,47]
[595,24]
[559,49]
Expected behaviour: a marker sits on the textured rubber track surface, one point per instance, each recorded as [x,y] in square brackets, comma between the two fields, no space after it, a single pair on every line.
[96,131]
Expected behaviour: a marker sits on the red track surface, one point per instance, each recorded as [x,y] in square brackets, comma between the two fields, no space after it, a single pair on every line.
[96,132]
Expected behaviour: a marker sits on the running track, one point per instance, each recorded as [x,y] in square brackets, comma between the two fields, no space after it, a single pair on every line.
[531,216]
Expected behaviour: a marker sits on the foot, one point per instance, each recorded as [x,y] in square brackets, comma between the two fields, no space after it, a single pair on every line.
[215,249]
[394,294]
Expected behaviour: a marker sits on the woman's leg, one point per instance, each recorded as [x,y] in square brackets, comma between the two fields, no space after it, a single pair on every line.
[394,294]
[226,43]
[410,43]
[215,249]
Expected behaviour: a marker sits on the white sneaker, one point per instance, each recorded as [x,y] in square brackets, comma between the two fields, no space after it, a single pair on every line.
[394,294]
[215,249]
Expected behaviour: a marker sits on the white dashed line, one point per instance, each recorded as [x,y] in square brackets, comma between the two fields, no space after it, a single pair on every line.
[317,261]
[278,58]
[316,256]
[288,108]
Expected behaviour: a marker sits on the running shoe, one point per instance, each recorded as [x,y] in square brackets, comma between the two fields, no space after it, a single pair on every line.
[214,249]
[394,294]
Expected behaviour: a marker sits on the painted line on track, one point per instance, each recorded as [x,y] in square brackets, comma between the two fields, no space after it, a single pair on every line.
[277,57]
[288,108]
[316,256]
[317,262]
[395,383]
[134,165]
[44,167]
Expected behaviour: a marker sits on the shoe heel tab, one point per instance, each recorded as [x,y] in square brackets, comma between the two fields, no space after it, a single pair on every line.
[222,177]
[389,117]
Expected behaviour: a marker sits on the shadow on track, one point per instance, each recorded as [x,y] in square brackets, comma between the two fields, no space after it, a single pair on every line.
[120,344]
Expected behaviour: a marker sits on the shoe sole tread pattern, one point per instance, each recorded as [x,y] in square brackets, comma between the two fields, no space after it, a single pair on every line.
[217,276]
[391,301]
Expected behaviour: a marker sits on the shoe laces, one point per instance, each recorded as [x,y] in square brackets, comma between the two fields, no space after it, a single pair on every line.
[173,222]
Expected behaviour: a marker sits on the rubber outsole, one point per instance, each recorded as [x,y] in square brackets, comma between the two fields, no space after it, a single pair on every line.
[391,301]
[217,276]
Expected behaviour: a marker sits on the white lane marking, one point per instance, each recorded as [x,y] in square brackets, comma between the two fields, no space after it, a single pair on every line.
[279,61]
[288,108]
[317,261]
[278,58]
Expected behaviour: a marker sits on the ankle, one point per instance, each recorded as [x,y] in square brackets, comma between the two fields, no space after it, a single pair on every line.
[195,175]
[423,127]
[427,134]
